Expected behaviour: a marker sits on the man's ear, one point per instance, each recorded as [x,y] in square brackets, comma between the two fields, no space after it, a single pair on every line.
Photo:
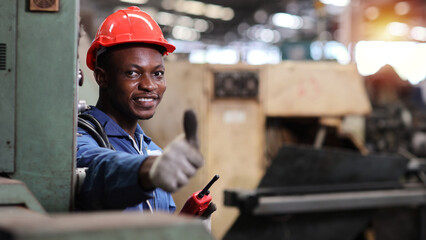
[100,77]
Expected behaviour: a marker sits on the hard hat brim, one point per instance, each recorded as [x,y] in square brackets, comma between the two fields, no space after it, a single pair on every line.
[91,53]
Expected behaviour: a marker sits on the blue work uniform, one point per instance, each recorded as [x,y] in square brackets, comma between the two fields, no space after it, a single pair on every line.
[112,176]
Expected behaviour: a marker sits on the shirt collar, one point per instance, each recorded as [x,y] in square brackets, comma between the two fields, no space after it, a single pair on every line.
[112,129]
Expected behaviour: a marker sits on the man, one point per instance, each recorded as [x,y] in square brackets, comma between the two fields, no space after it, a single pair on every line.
[127,59]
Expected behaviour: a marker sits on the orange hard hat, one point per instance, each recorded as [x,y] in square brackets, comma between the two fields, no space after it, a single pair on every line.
[130,25]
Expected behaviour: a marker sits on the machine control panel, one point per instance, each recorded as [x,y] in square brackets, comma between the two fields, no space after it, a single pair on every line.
[236,84]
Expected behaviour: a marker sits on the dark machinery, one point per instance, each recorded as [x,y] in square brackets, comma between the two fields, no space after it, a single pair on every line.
[329,194]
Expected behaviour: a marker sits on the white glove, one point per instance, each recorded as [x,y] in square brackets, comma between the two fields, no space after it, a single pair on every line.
[178,163]
[207,223]
[180,159]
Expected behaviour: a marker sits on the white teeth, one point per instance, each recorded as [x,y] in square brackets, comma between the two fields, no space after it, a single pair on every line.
[145,99]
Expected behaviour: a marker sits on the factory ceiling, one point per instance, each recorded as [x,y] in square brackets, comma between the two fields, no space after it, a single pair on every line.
[273,22]
[218,21]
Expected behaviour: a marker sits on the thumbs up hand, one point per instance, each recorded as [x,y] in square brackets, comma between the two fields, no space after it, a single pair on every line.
[180,159]
[190,127]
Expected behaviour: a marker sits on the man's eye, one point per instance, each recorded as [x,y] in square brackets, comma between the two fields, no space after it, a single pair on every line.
[159,73]
[132,74]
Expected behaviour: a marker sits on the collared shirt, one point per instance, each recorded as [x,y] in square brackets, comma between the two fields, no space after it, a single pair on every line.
[112,176]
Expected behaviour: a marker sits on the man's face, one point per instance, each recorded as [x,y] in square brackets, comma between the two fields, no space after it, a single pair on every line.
[136,83]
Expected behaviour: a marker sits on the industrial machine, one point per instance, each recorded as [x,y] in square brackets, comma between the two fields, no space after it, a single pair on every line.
[310,193]
[38,89]
[323,183]
[246,113]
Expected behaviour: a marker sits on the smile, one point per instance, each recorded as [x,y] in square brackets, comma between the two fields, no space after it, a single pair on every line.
[146,102]
[145,99]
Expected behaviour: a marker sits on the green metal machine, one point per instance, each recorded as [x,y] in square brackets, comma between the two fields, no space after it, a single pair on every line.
[38,88]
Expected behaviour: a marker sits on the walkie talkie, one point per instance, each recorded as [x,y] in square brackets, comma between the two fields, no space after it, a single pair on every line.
[199,201]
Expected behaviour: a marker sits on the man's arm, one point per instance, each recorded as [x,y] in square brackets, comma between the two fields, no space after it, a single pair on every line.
[112,178]
[115,180]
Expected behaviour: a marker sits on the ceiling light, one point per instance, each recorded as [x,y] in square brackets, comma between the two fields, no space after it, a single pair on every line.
[242,28]
[261,16]
[267,35]
[402,8]
[336,50]
[317,51]
[192,7]
[227,14]
[185,21]
[170,19]
[165,18]
[418,33]
[134,1]
[201,9]
[407,58]
[397,29]
[371,13]
[213,11]
[168,4]
[197,56]
[271,55]
[287,20]
[222,56]
[201,25]
[184,33]
[338,3]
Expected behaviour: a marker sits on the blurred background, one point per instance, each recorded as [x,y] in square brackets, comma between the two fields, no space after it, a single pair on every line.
[312,112]
[266,74]
[267,32]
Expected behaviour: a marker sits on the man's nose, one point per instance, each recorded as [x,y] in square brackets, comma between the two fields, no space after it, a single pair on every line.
[146,82]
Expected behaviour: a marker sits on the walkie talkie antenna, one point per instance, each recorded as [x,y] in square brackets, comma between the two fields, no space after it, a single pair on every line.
[206,188]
